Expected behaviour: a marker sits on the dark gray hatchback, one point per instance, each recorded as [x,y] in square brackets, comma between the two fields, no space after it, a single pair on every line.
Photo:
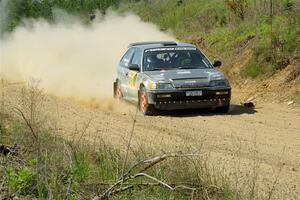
[170,76]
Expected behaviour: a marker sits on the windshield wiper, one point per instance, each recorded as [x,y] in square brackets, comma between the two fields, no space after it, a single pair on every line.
[158,69]
[192,67]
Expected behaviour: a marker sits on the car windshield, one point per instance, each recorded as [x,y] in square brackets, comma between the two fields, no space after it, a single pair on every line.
[174,58]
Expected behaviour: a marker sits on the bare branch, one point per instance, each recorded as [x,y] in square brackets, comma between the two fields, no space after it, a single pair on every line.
[150,163]
[163,183]
[28,124]
[154,179]
[155,161]
[84,130]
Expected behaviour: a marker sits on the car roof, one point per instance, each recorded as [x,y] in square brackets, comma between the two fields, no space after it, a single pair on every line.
[159,44]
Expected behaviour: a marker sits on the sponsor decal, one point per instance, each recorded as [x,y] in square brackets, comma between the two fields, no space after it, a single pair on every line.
[132,82]
[171,49]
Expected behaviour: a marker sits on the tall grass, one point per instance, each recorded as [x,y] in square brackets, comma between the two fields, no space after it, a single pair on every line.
[80,172]
[47,166]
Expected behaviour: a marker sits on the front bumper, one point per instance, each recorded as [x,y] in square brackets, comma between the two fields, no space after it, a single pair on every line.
[177,99]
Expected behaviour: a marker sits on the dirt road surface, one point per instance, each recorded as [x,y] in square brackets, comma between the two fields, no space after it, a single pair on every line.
[264,141]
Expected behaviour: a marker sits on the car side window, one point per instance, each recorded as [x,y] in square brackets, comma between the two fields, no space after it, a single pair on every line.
[137,57]
[127,58]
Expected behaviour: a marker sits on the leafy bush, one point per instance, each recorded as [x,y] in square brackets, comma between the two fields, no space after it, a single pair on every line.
[252,70]
[23,180]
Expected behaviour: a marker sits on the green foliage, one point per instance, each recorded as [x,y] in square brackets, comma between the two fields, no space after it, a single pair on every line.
[288,4]
[252,70]
[23,180]
[226,27]
[238,7]
[81,167]
[14,128]
[60,168]
[109,162]
[23,9]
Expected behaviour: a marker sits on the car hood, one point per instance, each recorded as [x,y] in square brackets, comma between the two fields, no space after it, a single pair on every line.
[188,77]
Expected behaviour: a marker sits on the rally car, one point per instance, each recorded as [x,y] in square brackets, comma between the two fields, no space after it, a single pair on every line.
[171,76]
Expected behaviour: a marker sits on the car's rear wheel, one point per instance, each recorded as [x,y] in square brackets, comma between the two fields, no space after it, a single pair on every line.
[144,106]
[117,91]
[223,109]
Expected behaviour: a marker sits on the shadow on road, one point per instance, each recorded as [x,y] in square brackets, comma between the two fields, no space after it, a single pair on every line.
[239,110]
[234,110]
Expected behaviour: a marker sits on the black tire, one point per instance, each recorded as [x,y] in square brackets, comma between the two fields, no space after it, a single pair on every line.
[144,106]
[223,109]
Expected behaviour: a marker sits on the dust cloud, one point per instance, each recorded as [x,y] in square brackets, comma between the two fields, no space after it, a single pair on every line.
[72,59]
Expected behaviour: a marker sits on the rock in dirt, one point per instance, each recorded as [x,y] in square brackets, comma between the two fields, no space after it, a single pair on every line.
[248,104]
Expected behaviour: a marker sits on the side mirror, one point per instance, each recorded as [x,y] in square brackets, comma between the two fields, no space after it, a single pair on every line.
[134,67]
[217,63]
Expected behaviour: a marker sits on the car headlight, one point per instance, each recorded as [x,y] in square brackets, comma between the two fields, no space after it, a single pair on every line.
[160,86]
[219,83]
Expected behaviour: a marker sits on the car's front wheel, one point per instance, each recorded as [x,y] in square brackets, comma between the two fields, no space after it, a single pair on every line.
[144,106]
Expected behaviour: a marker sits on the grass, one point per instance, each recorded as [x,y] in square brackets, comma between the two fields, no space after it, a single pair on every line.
[84,172]
[44,165]
[252,70]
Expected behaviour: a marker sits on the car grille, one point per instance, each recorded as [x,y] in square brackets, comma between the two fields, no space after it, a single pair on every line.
[192,83]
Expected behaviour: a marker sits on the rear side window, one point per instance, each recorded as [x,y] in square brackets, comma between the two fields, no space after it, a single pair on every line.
[137,57]
[127,58]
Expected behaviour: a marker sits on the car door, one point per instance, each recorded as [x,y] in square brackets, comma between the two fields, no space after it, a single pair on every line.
[132,75]
[123,72]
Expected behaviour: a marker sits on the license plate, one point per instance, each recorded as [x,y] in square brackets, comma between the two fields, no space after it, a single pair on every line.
[194,93]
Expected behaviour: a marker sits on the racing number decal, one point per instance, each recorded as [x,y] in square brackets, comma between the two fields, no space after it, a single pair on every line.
[132,82]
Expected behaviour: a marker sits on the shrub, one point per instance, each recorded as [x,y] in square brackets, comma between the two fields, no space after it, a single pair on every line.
[23,180]
[252,70]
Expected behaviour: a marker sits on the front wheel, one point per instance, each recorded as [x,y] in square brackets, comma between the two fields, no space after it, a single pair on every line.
[144,106]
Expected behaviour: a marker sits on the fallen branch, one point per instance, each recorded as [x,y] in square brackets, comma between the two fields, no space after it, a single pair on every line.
[153,161]
[115,187]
